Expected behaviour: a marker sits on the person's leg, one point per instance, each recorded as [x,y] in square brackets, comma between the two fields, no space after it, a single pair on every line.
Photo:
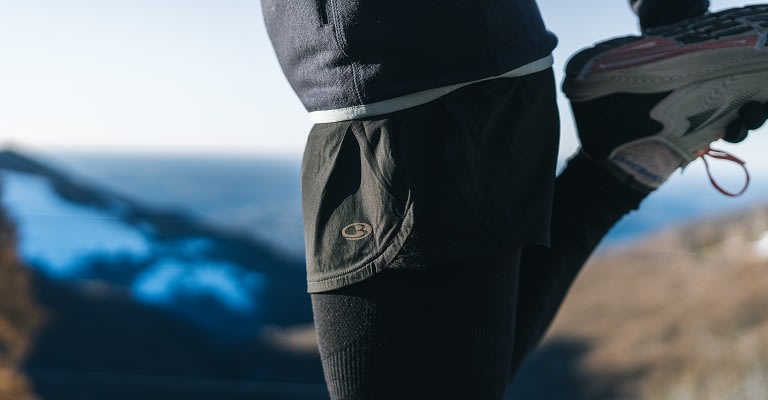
[637,130]
[479,167]
[588,202]
[438,333]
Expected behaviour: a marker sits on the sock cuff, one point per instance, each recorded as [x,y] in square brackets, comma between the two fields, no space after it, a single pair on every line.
[603,183]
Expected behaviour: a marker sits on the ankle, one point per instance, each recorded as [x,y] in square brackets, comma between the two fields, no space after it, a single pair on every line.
[648,163]
[602,182]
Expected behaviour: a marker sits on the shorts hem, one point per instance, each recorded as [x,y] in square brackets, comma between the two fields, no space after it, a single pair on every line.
[370,268]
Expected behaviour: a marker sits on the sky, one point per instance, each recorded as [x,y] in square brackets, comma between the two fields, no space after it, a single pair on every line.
[194,76]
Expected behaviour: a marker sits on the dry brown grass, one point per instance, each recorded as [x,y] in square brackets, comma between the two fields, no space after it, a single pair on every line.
[684,314]
[19,318]
[296,339]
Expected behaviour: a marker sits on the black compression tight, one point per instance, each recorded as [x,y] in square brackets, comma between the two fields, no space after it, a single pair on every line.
[415,334]
[461,330]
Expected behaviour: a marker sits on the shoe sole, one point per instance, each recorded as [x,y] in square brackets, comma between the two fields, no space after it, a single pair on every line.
[702,111]
[713,46]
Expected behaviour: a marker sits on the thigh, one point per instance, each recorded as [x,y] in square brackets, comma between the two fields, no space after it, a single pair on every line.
[588,202]
[444,333]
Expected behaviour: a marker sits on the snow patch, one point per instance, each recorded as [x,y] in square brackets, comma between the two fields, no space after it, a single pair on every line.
[761,246]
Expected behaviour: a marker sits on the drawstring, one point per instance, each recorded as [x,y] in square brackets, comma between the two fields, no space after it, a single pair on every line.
[722,155]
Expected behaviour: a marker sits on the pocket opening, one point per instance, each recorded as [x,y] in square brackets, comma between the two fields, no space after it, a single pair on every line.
[322,11]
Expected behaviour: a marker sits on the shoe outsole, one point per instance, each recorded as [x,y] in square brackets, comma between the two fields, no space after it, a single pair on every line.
[712,46]
[696,115]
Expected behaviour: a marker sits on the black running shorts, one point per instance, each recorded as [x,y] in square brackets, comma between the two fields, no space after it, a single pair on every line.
[468,173]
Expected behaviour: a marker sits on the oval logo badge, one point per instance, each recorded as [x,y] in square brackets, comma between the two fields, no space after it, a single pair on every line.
[356,231]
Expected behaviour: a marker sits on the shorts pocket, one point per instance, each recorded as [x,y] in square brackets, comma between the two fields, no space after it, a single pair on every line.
[354,202]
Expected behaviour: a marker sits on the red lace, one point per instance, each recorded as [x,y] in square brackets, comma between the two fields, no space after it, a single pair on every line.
[722,155]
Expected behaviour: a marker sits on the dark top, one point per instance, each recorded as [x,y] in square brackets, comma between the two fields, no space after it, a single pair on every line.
[345,53]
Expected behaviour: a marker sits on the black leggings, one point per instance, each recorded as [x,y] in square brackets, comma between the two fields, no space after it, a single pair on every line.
[421,334]
[461,330]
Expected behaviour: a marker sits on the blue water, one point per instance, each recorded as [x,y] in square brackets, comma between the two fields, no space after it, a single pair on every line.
[258,196]
[687,198]
[261,196]
[45,224]
[72,242]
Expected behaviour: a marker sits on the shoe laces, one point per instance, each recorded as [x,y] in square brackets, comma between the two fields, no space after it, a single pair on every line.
[723,155]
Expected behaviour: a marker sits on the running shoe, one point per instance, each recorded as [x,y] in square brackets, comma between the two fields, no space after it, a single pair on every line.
[682,85]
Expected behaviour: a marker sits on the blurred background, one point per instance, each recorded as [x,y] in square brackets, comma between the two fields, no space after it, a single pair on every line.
[150,224]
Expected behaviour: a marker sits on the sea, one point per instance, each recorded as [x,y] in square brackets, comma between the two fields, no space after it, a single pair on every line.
[260,195]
